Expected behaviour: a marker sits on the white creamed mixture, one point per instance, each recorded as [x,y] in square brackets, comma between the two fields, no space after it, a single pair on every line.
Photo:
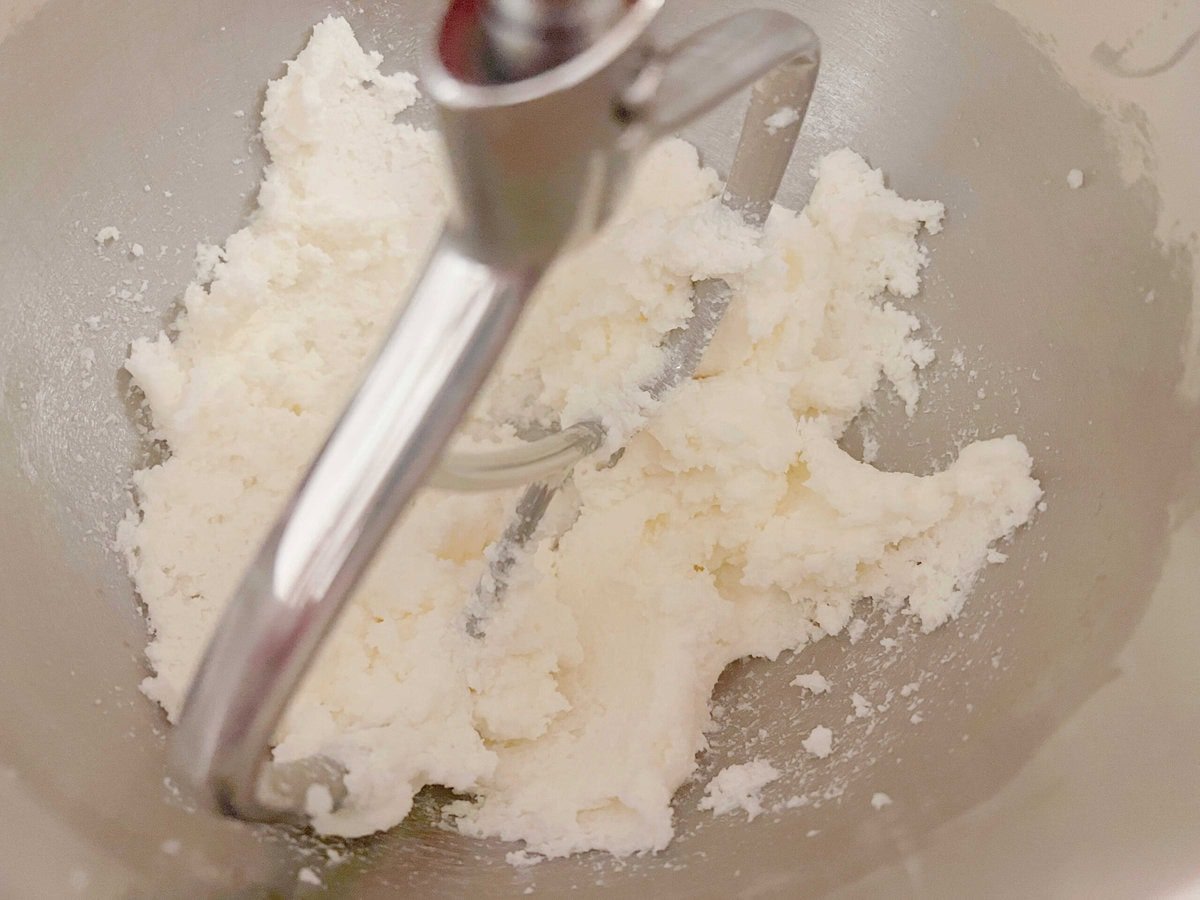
[733,525]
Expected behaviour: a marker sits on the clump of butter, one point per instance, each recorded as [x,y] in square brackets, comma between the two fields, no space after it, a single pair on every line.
[733,524]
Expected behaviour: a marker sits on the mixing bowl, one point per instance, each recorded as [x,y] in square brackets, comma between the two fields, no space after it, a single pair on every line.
[1054,748]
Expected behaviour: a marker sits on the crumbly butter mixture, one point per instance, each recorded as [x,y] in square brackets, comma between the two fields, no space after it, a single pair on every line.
[733,524]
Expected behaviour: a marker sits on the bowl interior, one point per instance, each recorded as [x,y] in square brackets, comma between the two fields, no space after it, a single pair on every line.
[1067,309]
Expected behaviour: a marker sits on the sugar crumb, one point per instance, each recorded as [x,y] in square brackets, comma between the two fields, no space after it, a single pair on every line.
[862,708]
[522,858]
[308,876]
[813,681]
[870,447]
[781,118]
[819,742]
[739,787]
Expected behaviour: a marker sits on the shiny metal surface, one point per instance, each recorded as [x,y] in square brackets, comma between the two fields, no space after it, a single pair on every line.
[452,328]
[1054,758]
[754,40]
[545,456]
[673,87]
[525,37]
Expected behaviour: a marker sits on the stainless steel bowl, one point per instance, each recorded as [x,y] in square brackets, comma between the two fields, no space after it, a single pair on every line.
[1057,752]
